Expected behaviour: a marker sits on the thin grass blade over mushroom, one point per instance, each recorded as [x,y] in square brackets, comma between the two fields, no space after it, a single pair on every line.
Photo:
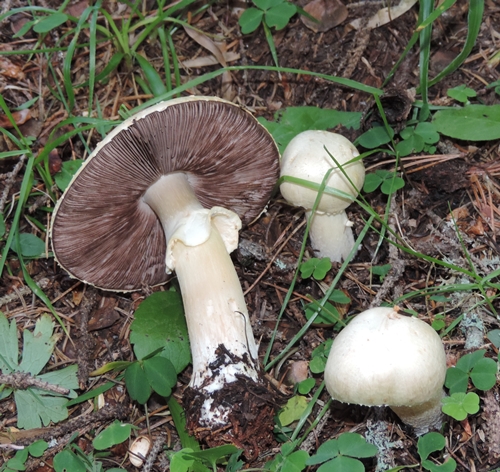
[168,190]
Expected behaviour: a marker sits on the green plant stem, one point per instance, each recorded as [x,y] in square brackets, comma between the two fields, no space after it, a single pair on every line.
[476,11]
[307,412]
[321,303]
[270,42]
[268,365]
[426,8]
[313,425]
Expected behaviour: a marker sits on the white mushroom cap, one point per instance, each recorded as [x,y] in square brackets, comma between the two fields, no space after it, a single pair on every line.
[305,157]
[139,450]
[385,358]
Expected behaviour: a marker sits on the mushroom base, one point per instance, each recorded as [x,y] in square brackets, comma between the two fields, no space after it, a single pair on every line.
[424,417]
[240,413]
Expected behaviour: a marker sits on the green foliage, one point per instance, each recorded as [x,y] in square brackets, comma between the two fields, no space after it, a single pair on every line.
[471,122]
[28,245]
[73,459]
[64,176]
[274,13]
[317,268]
[460,404]
[481,371]
[430,443]
[159,323]
[34,405]
[438,322]
[17,462]
[294,120]
[417,139]
[494,337]
[388,182]
[179,418]
[319,356]
[440,298]
[115,433]
[495,85]
[156,85]
[288,460]
[203,461]
[306,386]
[293,410]
[43,24]
[154,373]
[328,313]
[461,93]
[381,271]
[269,14]
[375,137]
[342,454]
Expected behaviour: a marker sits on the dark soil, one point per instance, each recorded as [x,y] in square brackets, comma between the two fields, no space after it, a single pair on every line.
[468,184]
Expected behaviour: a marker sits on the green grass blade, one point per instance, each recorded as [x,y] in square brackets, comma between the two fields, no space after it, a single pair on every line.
[153,78]
[92,52]
[175,63]
[68,60]
[120,37]
[110,67]
[179,418]
[270,42]
[413,40]
[268,365]
[211,75]
[426,7]
[162,35]
[475,18]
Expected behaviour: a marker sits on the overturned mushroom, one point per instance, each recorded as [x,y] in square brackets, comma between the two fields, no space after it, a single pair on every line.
[308,157]
[166,191]
[384,358]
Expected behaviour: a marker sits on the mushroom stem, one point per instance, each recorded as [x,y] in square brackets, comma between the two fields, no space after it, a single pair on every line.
[198,245]
[331,235]
[423,417]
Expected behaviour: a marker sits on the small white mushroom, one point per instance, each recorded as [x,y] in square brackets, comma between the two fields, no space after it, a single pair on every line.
[384,358]
[308,157]
[139,450]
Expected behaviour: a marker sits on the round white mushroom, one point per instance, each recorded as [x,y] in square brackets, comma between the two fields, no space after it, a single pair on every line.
[384,358]
[308,157]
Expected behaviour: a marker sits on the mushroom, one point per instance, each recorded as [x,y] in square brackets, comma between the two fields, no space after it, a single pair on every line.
[386,358]
[139,450]
[308,157]
[146,203]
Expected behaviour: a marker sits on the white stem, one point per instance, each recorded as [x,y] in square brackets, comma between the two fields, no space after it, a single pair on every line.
[222,342]
[331,235]
[424,417]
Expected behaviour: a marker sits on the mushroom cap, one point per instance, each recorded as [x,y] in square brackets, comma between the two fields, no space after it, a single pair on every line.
[385,358]
[104,234]
[305,157]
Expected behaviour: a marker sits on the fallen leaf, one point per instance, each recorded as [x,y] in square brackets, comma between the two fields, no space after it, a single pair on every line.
[329,13]
[477,229]
[384,15]
[20,117]
[55,164]
[9,69]
[204,61]
[76,9]
[203,40]
[458,213]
